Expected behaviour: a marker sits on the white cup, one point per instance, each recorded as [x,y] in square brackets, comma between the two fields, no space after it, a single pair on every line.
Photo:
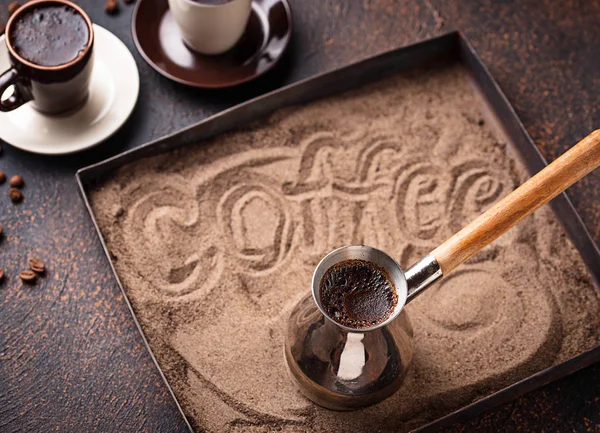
[211,27]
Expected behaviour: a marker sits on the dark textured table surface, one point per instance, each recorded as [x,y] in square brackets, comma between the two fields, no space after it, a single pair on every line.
[71,358]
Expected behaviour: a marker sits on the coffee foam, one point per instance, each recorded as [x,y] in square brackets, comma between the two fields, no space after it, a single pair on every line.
[50,35]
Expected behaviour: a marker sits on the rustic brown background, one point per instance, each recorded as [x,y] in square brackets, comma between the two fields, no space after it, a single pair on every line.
[71,358]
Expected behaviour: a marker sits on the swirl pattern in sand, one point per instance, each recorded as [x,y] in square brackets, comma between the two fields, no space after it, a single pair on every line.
[215,243]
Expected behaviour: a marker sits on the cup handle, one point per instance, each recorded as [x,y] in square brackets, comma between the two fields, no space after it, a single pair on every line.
[21,93]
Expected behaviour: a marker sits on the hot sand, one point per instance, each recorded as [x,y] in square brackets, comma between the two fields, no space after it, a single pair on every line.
[215,243]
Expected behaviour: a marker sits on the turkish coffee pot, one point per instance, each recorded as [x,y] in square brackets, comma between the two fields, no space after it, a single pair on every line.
[345,368]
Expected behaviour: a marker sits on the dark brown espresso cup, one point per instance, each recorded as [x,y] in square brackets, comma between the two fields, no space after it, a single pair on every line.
[50,51]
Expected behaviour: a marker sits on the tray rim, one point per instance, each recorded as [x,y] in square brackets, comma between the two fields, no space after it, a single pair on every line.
[584,243]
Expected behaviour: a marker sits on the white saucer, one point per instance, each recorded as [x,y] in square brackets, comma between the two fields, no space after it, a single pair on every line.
[113,93]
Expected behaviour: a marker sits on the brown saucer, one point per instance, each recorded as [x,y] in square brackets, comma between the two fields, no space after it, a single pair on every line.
[158,40]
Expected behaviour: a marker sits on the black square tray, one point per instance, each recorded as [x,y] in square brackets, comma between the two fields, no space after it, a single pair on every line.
[446,49]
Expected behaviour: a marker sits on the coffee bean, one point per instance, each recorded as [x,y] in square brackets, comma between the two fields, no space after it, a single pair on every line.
[111,7]
[36,265]
[15,195]
[1,274]
[0,229]
[28,276]
[12,7]
[1,28]
[2,177]
[16,181]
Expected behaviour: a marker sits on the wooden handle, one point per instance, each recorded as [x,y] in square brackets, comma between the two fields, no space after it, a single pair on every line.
[570,167]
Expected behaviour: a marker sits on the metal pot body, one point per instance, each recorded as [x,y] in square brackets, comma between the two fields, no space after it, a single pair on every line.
[343,370]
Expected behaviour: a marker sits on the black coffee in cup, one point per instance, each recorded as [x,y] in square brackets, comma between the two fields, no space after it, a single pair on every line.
[357,294]
[50,49]
[50,35]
